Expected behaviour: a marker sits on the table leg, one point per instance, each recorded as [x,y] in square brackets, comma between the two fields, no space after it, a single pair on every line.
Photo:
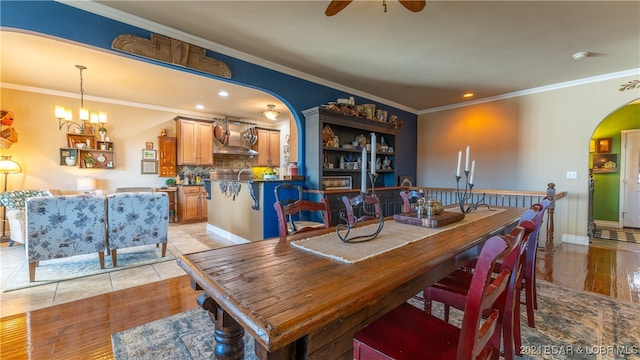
[228,334]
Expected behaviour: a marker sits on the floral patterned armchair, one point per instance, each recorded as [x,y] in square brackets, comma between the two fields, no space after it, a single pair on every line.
[14,202]
[137,218]
[62,226]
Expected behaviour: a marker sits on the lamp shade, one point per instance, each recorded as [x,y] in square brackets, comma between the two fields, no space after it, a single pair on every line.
[8,166]
[86,184]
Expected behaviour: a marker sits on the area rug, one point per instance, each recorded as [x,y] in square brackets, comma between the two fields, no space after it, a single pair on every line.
[79,266]
[620,235]
[570,324]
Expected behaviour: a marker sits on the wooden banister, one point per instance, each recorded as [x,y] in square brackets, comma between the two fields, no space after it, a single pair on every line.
[510,198]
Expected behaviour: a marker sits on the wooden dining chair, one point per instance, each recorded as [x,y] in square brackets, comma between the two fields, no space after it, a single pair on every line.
[407,332]
[360,208]
[452,290]
[287,193]
[531,301]
[304,216]
[409,199]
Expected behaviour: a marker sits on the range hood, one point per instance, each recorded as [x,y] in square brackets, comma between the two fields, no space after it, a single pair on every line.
[236,141]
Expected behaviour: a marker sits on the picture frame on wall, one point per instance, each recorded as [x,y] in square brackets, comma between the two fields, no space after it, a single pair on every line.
[149,166]
[149,145]
[603,145]
[149,154]
[604,163]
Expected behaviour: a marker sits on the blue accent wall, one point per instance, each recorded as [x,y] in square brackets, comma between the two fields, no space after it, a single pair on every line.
[66,22]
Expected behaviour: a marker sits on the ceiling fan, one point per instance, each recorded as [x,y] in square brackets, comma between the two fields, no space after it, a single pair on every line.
[336,6]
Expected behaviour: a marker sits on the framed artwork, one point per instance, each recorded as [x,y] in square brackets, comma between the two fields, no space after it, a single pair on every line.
[149,154]
[149,145]
[149,166]
[603,145]
[605,163]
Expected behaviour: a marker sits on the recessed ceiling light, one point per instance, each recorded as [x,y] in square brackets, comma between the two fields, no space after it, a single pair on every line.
[223,93]
[580,55]
[200,107]
[468,95]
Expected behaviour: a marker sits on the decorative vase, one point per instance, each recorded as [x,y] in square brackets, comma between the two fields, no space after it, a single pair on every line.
[102,135]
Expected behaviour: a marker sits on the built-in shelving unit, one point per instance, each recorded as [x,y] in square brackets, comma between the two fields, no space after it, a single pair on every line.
[324,161]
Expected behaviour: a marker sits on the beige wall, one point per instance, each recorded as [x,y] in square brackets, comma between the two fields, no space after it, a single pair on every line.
[39,141]
[523,143]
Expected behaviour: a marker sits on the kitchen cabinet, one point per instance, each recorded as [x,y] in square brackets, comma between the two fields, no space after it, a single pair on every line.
[192,203]
[195,141]
[268,147]
[324,161]
[167,153]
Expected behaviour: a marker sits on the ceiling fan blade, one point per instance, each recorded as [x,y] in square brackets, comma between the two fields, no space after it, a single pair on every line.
[413,6]
[336,6]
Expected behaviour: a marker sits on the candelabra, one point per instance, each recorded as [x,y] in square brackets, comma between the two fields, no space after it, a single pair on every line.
[367,201]
[465,196]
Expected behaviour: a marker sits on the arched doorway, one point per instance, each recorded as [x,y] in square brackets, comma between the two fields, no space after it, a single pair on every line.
[606,152]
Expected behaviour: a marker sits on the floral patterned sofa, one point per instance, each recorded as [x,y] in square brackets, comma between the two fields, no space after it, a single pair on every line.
[14,202]
[67,225]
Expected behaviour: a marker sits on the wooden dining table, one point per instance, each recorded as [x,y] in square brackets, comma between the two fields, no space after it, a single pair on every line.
[300,305]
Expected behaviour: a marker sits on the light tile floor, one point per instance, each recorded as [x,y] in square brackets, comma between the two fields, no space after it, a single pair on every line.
[183,239]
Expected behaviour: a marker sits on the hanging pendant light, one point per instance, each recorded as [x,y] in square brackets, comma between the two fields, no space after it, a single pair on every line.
[65,116]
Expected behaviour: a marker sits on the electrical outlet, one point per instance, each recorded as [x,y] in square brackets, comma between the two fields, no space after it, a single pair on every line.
[572,174]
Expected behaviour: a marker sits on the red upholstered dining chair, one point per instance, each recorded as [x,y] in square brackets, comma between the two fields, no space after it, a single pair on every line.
[303,214]
[409,199]
[407,332]
[531,297]
[452,290]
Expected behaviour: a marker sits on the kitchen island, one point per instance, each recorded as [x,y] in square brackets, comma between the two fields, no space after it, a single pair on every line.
[242,211]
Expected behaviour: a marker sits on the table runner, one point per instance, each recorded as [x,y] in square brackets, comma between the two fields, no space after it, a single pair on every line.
[392,236]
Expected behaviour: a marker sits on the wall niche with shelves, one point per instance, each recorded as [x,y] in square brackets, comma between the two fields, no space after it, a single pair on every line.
[324,158]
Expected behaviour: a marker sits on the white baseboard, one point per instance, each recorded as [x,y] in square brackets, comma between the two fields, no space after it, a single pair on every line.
[227,235]
[575,239]
[608,224]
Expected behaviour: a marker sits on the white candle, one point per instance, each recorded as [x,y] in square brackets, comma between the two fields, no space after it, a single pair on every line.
[473,168]
[459,161]
[466,161]
[363,173]
[373,153]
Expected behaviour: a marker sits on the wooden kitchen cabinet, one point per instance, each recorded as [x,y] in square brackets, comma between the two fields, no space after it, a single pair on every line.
[192,203]
[268,147]
[167,162]
[195,141]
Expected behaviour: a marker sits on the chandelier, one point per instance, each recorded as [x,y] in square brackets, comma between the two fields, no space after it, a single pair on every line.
[65,116]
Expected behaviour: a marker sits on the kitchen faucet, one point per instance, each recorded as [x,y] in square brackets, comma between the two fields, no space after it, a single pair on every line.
[243,170]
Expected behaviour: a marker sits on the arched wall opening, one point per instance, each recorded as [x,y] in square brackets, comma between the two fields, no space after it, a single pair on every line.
[605,155]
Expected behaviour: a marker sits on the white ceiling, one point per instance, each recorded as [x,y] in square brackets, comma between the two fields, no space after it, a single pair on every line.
[415,61]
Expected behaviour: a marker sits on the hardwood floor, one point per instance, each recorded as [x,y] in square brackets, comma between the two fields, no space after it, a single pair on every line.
[82,329]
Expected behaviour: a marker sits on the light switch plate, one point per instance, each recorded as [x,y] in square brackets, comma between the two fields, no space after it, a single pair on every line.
[572,174]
